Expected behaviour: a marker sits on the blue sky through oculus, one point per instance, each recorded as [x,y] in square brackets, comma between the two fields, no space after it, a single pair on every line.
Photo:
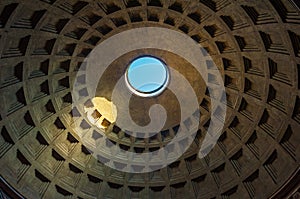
[147,74]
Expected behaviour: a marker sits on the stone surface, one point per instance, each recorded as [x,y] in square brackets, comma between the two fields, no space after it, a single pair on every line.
[255,45]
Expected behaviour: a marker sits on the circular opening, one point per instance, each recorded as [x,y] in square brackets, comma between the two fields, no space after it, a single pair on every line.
[147,76]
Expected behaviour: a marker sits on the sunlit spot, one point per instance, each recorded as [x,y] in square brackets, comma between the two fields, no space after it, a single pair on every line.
[102,114]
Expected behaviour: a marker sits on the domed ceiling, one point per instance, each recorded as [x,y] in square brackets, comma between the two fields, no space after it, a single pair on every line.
[49,122]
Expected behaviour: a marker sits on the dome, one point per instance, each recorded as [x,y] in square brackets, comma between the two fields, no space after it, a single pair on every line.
[224,80]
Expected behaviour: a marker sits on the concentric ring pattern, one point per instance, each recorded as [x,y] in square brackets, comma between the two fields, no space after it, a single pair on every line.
[255,45]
